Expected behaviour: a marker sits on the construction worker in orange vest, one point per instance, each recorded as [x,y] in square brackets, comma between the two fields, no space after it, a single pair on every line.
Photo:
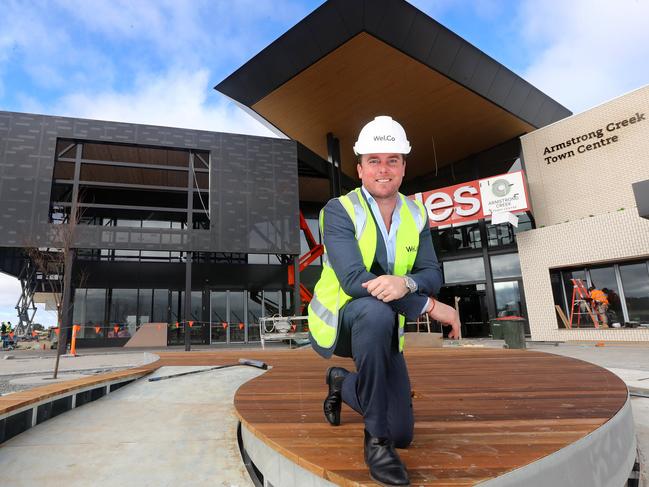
[600,305]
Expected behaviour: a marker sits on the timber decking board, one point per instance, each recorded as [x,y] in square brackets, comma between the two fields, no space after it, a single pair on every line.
[479,413]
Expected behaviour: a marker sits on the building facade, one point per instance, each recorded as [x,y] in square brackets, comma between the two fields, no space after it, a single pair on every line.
[581,173]
[178,226]
[164,225]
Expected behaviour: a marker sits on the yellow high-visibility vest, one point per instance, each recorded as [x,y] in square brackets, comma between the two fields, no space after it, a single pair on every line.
[329,297]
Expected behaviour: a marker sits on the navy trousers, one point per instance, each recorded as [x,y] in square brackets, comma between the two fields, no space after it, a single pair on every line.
[380,388]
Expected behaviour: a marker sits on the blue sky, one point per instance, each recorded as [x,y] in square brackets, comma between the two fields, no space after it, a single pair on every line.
[157,61]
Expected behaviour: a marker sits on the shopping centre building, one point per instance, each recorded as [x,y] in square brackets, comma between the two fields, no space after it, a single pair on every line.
[175,225]
[581,173]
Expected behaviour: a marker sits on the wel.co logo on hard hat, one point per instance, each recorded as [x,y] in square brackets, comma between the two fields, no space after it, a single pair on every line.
[382,135]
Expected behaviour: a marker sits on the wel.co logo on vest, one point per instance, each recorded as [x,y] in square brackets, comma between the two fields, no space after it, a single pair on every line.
[475,199]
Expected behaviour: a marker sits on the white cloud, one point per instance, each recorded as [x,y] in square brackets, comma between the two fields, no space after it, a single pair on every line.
[176,99]
[10,291]
[586,52]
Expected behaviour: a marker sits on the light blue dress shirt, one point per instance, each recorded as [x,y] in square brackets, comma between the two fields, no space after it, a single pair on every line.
[389,237]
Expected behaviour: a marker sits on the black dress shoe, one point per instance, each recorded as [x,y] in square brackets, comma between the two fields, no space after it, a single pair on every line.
[385,465]
[334,400]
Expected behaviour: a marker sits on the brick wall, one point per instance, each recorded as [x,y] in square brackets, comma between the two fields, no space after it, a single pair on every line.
[584,204]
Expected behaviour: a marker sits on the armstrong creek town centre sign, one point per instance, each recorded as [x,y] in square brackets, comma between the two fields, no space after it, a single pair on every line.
[590,141]
[477,199]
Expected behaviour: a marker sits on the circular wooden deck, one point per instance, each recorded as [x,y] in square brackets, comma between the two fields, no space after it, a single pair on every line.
[479,413]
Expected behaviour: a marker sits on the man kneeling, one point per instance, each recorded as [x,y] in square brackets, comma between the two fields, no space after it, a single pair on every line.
[379,269]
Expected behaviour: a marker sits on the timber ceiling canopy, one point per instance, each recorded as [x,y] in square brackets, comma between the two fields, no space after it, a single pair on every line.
[351,60]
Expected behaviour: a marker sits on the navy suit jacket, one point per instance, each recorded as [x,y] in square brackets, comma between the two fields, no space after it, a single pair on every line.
[346,260]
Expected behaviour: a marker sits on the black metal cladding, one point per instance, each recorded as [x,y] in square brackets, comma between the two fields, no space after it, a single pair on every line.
[403,27]
[253,196]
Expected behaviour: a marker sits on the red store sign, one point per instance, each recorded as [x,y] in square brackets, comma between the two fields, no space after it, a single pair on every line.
[475,199]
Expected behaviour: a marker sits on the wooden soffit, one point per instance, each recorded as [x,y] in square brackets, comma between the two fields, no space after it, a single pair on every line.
[365,77]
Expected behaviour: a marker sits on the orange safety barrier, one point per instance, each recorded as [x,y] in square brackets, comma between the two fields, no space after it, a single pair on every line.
[73,344]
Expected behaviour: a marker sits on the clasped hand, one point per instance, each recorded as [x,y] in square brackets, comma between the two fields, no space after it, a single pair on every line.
[386,287]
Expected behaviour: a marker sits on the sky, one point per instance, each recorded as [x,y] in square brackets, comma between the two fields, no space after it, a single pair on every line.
[156,61]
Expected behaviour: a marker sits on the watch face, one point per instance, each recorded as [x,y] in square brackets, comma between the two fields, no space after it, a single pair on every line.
[411,284]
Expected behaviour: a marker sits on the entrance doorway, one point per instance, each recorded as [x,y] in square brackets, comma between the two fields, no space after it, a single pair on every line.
[472,305]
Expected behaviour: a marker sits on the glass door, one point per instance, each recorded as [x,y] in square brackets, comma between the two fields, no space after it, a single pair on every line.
[218,316]
[510,300]
[237,317]
[472,305]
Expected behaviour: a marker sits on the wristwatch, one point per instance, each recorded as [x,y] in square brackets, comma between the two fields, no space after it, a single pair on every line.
[410,284]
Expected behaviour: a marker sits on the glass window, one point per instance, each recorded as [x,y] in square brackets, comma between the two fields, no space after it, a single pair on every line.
[121,254]
[199,331]
[457,238]
[604,278]
[237,316]
[160,306]
[197,306]
[123,311]
[464,270]
[500,235]
[568,285]
[557,295]
[89,305]
[508,299]
[506,265]
[176,306]
[154,256]
[144,306]
[254,314]
[218,315]
[635,281]
[96,311]
[272,302]
[524,223]
[79,309]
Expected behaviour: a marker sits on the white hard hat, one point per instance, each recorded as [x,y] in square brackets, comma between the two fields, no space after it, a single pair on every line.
[381,136]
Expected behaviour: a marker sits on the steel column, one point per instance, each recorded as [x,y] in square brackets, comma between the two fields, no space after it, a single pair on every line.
[188,255]
[297,299]
[491,295]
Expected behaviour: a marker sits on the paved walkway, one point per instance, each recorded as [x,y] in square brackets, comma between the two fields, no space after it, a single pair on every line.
[181,420]
[180,431]
[23,369]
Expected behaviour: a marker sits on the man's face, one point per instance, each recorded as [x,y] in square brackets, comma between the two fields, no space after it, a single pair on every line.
[381,174]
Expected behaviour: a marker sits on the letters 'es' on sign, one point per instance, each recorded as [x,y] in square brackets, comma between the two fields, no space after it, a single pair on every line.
[475,199]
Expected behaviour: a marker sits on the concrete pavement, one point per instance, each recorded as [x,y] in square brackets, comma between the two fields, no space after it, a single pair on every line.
[180,431]
[189,420]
